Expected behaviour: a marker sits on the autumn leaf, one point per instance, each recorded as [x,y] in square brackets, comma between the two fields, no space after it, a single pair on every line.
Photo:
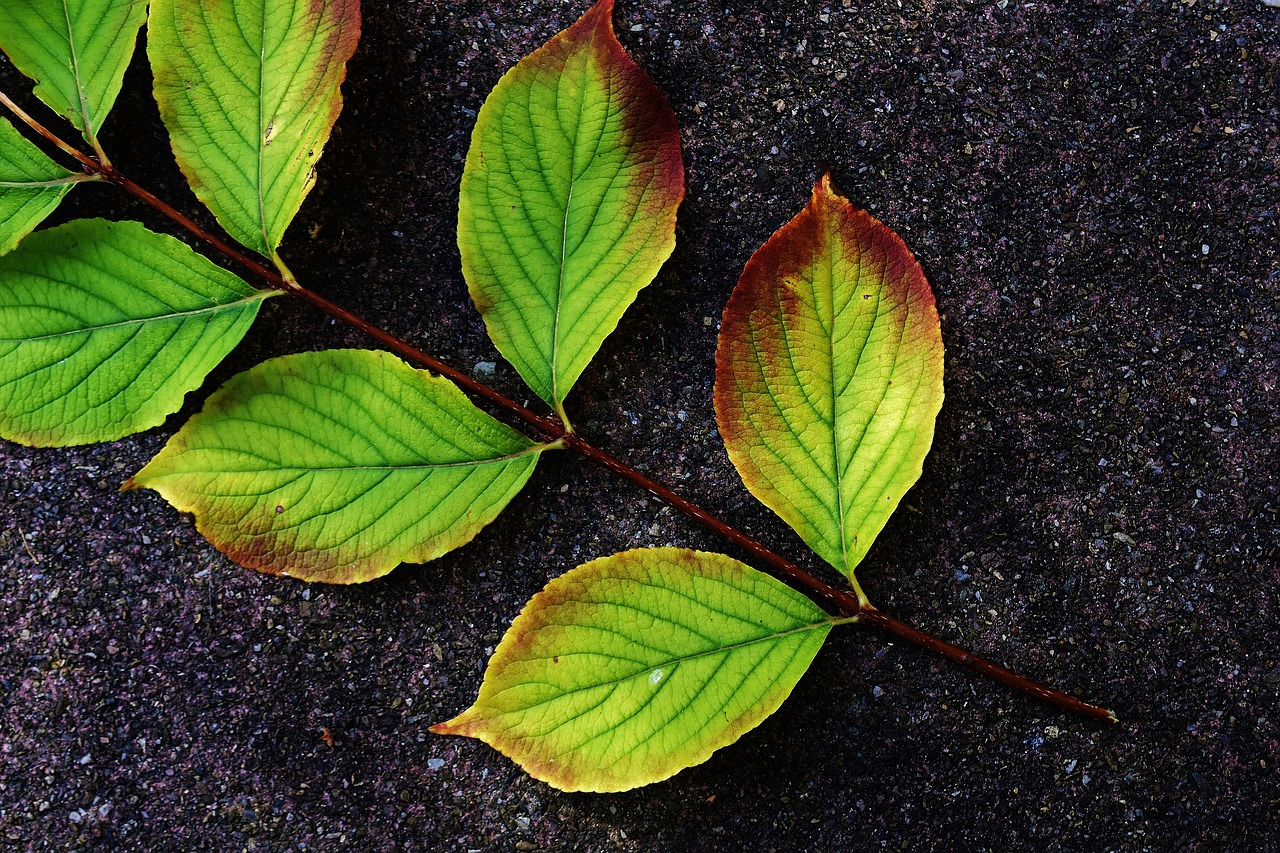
[829,375]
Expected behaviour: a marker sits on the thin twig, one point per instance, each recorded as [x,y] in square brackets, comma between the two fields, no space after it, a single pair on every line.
[27,545]
[89,163]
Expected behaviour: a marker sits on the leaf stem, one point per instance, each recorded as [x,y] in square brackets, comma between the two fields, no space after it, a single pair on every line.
[845,603]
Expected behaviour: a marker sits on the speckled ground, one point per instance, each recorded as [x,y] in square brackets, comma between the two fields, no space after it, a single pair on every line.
[1093,190]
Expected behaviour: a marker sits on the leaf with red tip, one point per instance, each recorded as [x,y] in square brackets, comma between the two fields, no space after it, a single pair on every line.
[630,668]
[568,201]
[829,375]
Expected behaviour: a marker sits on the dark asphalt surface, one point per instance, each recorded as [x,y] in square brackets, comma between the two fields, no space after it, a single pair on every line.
[1092,189]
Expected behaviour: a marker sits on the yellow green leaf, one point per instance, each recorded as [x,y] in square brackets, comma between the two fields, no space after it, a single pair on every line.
[75,50]
[105,327]
[249,90]
[336,466]
[829,375]
[629,668]
[31,186]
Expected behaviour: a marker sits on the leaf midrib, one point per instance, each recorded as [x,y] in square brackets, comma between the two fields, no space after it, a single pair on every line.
[260,139]
[564,243]
[135,321]
[836,466]
[81,97]
[829,621]
[425,466]
[39,185]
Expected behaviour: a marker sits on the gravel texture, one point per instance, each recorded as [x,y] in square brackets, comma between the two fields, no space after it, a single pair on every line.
[1092,189]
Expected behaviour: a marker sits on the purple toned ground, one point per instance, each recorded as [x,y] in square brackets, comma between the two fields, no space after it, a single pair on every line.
[1092,189]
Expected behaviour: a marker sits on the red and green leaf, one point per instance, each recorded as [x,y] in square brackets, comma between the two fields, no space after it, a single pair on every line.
[568,201]
[829,375]
[336,466]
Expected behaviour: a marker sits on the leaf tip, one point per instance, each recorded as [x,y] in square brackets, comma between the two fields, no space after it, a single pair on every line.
[143,478]
[601,12]
[825,193]
[823,185]
[460,725]
[597,21]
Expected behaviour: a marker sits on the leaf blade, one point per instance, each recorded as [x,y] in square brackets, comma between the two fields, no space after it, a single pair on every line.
[568,201]
[105,327]
[629,668]
[76,50]
[829,375]
[31,186]
[286,472]
[249,95]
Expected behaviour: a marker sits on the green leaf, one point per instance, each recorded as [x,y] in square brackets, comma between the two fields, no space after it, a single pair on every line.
[829,375]
[630,668]
[76,50]
[336,466]
[568,201]
[105,326]
[249,91]
[31,186]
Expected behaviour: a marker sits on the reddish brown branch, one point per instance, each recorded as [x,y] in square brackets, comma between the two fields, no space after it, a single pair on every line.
[91,165]
[844,602]
[995,672]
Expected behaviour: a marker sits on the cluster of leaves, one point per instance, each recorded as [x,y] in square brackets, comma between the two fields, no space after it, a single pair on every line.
[336,466]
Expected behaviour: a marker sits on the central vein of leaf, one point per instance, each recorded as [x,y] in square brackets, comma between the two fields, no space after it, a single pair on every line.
[564,244]
[81,97]
[419,466]
[136,321]
[649,667]
[262,130]
[35,185]
[833,244]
